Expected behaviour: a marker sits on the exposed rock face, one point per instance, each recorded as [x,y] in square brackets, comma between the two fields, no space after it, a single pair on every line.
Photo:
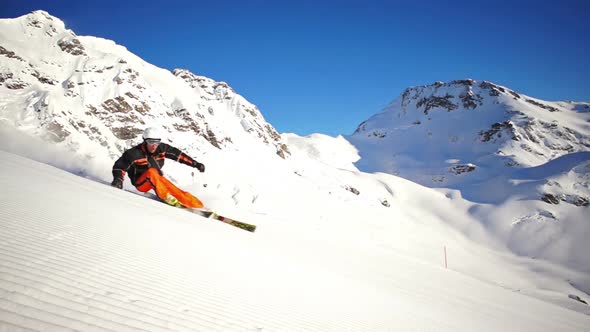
[251,119]
[352,190]
[72,46]
[435,101]
[541,105]
[10,54]
[497,130]
[549,198]
[43,78]
[459,169]
[570,199]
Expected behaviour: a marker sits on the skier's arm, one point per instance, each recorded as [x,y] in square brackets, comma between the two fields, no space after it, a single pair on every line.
[179,156]
[120,167]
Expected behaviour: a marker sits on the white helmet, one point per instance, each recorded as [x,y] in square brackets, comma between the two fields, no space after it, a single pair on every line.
[152,133]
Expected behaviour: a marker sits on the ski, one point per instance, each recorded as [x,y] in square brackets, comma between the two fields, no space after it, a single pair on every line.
[204,212]
[215,216]
[233,222]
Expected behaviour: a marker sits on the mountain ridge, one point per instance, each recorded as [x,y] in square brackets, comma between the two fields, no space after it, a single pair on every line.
[523,161]
[72,90]
[468,120]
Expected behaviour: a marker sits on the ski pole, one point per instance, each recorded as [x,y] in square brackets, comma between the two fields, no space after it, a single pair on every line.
[203,180]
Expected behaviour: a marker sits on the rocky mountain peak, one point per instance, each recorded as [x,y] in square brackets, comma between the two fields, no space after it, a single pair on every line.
[487,141]
[474,124]
[453,95]
[41,22]
[250,118]
[95,97]
[215,90]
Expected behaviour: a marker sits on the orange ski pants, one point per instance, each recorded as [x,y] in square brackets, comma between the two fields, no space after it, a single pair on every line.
[152,179]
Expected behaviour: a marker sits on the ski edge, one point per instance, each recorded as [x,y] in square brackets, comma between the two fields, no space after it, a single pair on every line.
[215,216]
[235,223]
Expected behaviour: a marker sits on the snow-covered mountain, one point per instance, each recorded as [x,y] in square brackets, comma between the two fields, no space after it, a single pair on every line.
[443,134]
[525,161]
[95,97]
[465,133]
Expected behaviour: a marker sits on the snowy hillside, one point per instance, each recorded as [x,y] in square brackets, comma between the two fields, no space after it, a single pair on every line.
[449,133]
[335,152]
[89,257]
[525,162]
[93,96]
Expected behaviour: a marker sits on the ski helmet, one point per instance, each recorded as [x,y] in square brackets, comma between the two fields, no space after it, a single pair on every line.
[152,133]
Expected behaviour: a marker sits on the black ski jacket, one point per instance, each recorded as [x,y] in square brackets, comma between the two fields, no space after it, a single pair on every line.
[137,160]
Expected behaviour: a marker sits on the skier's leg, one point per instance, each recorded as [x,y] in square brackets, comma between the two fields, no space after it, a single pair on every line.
[152,179]
[185,198]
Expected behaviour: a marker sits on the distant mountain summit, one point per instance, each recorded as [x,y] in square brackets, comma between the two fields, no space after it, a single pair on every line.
[480,138]
[433,133]
[95,97]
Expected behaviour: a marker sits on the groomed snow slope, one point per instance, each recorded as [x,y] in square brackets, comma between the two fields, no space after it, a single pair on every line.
[79,255]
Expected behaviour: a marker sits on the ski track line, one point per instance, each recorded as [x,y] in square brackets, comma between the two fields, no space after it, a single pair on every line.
[138,300]
[81,271]
[86,301]
[7,327]
[55,261]
[56,258]
[65,314]
[27,311]
[115,251]
[304,322]
[89,300]
[27,323]
[94,261]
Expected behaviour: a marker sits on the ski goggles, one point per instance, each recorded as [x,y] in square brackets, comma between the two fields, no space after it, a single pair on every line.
[152,141]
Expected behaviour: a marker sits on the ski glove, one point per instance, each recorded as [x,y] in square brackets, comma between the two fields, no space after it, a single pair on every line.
[199,166]
[117,183]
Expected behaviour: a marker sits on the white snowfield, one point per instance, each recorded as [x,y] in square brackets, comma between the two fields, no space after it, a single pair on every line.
[76,254]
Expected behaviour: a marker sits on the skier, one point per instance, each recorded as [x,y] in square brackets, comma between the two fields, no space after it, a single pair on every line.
[143,163]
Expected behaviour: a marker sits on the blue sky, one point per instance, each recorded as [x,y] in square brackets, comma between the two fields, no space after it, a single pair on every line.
[325,66]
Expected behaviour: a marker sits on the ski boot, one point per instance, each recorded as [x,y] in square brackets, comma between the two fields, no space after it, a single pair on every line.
[171,200]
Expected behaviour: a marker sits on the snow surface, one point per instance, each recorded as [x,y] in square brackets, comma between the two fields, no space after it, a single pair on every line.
[77,254]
